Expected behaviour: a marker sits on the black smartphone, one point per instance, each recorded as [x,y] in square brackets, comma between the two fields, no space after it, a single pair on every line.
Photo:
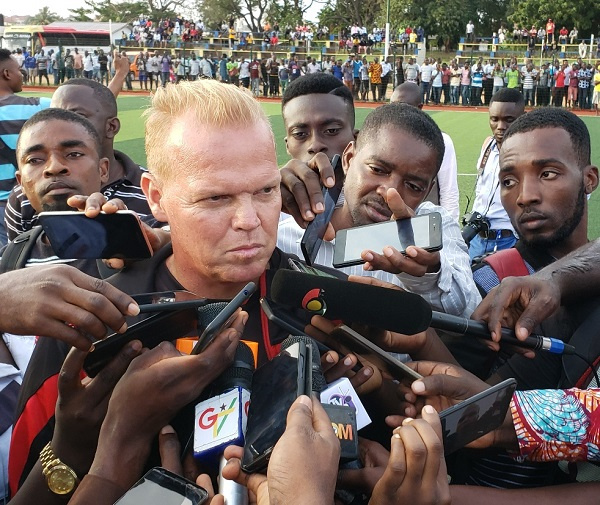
[224,318]
[423,231]
[282,317]
[169,325]
[159,486]
[168,301]
[347,340]
[73,235]
[275,386]
[298,266]
[315,231]
[476,416]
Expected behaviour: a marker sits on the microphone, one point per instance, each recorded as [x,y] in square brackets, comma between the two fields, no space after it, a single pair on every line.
[464,326]
[390,309]
[221,419]
[374,306]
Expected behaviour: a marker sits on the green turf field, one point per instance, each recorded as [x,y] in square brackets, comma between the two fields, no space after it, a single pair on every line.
[467,129]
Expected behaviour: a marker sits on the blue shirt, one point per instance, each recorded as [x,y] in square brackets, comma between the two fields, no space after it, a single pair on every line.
[477,78]
[337,72]
[357,65]
[14,111]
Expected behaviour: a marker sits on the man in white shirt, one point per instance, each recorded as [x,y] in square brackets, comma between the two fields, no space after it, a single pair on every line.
[425,78]
[194,67]
[311,110]
[506,106]
[445,190]
[411,71]
[470,32]
[312,67]
[386,75]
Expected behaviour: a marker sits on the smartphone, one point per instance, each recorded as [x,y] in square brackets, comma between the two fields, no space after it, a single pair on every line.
[168,301]
[169,325]
[347,340]
[476,416]
[275,386]
[282,317]
[224,318]
[315,231]
[118,235]
[161,487]
[423,231]
[298,266]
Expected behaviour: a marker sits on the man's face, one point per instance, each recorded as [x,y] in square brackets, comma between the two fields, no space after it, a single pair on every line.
[543,187]
[381,163]
[81,100]
[502,114]
[317,123]
[11,67]
[58,159]
[223,205]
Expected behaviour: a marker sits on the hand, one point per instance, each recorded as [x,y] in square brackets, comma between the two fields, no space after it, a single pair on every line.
[170,450]
[416,262]
[442,386]
[59,301]
[309,446]
[301,190]
[416,471]
[95,203]
[155,387]
[82,405]
[366,380]
[120,63]
[521,303]
[374,458]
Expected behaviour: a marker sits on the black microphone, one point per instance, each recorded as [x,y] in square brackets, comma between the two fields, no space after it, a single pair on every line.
[221,420]
[391,309]
[464,326]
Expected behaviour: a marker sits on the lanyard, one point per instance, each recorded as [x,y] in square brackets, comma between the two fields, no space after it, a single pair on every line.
[271,350]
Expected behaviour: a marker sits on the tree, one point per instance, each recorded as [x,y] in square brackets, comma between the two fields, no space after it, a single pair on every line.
[44,17]
[344,13]
[81,14]
[214,12]
[127,11]
[583,14]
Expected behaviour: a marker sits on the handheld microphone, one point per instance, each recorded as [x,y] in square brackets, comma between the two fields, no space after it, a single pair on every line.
[221,420]
[464,326]
[374,306]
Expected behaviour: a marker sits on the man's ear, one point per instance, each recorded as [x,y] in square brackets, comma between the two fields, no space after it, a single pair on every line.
[154,194]
[347,156]
[590,179]
[113,125]
[103,167]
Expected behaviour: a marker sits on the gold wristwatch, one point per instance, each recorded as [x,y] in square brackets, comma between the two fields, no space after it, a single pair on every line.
[61,478]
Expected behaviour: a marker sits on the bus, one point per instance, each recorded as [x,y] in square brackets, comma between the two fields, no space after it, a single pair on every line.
[35,37]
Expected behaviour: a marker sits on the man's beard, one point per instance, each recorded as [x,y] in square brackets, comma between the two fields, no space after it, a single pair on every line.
[58,204]
[567,228]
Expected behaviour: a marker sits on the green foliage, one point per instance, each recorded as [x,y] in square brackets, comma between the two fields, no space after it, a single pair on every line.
[44,17]
[583,14]
[127,11]
[81,14]
[214,12]
[344,13]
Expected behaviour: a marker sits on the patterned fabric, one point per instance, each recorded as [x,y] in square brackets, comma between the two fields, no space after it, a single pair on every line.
[375,69]
[557,425]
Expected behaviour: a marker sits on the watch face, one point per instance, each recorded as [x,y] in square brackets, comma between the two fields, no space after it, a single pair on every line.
[62,480]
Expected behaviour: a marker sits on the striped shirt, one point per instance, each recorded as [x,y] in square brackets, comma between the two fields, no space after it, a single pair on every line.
[14,111]
[451,289]
[21,217]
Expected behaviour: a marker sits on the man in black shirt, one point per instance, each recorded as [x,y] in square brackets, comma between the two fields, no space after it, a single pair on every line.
[97,103]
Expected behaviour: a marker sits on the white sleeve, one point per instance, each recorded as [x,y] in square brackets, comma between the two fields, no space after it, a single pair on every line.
[448,179]
[451,289]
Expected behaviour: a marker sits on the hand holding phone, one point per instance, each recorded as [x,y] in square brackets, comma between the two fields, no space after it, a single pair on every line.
[424,231]
[73,235]
[224,318]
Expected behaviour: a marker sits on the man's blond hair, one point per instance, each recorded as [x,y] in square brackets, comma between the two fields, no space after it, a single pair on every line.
[204,103]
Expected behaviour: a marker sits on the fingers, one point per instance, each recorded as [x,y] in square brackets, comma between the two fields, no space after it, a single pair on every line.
[107,378]
[320,421]
[373,281]
[447,386]
[393,261]
[301,413]
[69,377]
[397,205]
[170,449]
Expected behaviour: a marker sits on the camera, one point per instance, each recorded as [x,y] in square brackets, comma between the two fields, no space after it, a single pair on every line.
[473,223]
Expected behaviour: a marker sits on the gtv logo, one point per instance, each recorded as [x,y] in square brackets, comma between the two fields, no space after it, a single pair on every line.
[210,418]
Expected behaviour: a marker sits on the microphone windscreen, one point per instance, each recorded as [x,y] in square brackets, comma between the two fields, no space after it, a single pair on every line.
[239,374]
[390,309]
